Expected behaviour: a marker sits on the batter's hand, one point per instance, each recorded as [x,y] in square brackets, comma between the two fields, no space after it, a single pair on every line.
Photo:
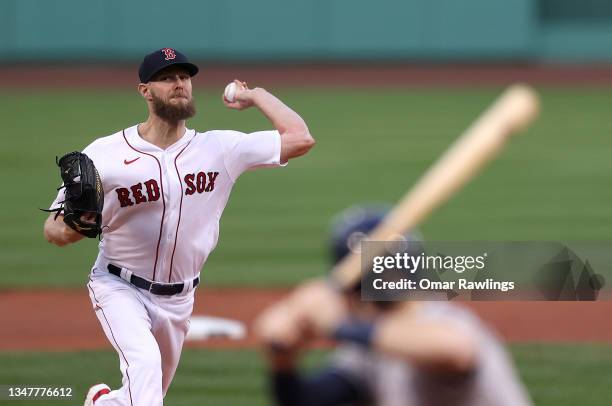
[279,327]
[314,309]
[320,307]
[243,98]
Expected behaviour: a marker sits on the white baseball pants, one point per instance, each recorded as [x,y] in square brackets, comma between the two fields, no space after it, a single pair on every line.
[147,332]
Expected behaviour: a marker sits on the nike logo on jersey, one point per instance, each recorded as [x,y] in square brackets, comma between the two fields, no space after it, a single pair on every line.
[125,161]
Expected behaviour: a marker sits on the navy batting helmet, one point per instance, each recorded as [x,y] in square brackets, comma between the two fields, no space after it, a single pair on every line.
[351,225]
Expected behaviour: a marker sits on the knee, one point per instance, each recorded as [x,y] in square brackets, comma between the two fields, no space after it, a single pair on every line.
[146,362]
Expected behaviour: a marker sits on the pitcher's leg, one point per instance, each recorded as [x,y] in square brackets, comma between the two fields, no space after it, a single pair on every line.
[170,326]
[170,346]
[127,326]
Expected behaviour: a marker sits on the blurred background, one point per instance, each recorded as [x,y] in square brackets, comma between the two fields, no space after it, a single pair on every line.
[384,87]
[471,30]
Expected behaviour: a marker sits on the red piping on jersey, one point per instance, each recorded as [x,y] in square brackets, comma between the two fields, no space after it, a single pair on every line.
[114,339]
[180,205]
[161,182]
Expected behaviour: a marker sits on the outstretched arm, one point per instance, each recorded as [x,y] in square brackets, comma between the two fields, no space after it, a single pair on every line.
[429,344]
[295,136]
[315,308]
[58,233]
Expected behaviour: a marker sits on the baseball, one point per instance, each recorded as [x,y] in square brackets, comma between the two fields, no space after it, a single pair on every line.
[230,92]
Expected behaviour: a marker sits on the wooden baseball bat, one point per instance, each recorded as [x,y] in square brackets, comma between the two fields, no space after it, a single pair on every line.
[513,111]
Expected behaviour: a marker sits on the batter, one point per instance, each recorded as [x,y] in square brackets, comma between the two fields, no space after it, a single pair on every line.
[165,188]
[428,353]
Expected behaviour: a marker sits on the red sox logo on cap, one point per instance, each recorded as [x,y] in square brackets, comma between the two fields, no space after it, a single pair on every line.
[169,52]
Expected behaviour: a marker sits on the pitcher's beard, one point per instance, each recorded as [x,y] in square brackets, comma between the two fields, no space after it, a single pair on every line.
[173,112]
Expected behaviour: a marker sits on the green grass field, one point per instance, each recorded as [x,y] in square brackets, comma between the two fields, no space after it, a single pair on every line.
[552,183]
[556,375]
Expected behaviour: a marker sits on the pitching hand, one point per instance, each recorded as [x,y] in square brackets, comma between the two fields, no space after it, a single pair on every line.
[243,98]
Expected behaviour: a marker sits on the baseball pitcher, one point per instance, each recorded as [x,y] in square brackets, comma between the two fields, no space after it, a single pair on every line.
[154,193]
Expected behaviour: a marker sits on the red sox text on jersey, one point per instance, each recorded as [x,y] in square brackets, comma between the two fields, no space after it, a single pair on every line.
[149,191]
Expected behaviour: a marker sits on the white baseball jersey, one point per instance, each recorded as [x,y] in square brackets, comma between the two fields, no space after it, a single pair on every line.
[162,207]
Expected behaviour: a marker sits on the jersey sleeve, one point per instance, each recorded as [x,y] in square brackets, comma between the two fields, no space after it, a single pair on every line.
[57,202]
[248,151]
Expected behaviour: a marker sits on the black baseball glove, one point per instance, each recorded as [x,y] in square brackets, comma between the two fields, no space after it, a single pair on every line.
[82,207]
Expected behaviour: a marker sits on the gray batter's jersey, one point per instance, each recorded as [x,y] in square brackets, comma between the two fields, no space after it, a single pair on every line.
[393,382]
